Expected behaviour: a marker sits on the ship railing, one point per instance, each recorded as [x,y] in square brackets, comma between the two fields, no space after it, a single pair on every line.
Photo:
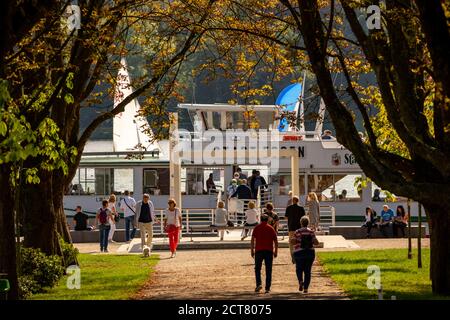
[239,135]
[327,216]
[196,220]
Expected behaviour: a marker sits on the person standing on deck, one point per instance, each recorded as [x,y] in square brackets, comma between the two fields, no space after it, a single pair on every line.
[231,189]
[293,214]
[128,206]
[242,175]
[243,191]
[172,225]
[314,211]
[264,247]
[274,220]
[257,182]
[210,185]
[145,218]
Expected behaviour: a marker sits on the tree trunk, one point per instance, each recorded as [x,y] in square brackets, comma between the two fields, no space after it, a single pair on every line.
[440,248]
[39,216]
[8,258]
[58,204]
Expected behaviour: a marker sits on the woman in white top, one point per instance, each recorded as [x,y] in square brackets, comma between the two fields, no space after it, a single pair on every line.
[251,219]
[221,219]
[112,218]
[314,211]
[172,225]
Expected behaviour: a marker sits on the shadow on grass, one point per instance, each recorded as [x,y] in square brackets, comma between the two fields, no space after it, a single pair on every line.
[363,271]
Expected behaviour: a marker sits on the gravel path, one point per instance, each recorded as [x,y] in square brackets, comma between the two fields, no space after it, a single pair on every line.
[229,274]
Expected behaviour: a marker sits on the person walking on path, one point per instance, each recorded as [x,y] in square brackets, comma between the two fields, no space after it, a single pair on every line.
[293,214]
[264,247]
[274,220]
[304,240]
[128,206]
[102,220]
[314,211]
[145,218]
[251,219]
[172,225]
[220,218]
[112,207]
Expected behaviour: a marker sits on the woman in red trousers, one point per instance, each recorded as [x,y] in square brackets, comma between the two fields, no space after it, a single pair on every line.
[172,225]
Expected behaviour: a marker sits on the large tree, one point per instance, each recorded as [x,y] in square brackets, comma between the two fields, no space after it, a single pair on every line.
[17,140]
[52,73]
[405,108]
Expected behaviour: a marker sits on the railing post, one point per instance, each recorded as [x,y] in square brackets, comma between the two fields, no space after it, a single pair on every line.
[187,220]
[161,221]
[333,216]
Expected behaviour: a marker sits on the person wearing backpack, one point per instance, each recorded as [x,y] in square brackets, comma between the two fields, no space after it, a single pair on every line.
[128,206]
[257,181]
[145,217]
[304,240]
[102,220]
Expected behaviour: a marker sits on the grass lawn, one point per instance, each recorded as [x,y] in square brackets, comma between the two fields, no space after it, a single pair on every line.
[400,276]
[105,277]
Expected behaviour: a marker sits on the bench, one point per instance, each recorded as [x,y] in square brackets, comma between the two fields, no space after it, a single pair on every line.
[211,228]
[94,236]
[358,232]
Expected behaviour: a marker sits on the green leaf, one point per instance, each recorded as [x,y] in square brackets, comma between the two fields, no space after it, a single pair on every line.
[3,128]
[69,98]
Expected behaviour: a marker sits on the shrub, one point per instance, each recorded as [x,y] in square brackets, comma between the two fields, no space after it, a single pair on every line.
[69,253]
[28,286]
[38,271]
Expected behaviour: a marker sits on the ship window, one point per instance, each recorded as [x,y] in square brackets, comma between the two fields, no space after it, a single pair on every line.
[384,195]
[282,184]
[101,181]
[337,187]
[194,181]
[157,181]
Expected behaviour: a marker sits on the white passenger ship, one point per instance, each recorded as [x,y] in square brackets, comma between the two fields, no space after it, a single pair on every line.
[324,166]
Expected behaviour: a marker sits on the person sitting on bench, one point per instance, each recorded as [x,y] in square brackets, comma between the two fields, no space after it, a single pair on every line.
[81,220]
[251,219]
[370,221]
[387,216]
[400,222]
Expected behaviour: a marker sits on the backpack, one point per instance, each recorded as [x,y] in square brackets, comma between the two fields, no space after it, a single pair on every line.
[103,216]
[306,242]
[258,182]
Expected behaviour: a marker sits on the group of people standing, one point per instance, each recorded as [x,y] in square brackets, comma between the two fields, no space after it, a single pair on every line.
[242,187]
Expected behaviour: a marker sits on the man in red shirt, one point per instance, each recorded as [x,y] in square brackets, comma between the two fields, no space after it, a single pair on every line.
[264,248]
